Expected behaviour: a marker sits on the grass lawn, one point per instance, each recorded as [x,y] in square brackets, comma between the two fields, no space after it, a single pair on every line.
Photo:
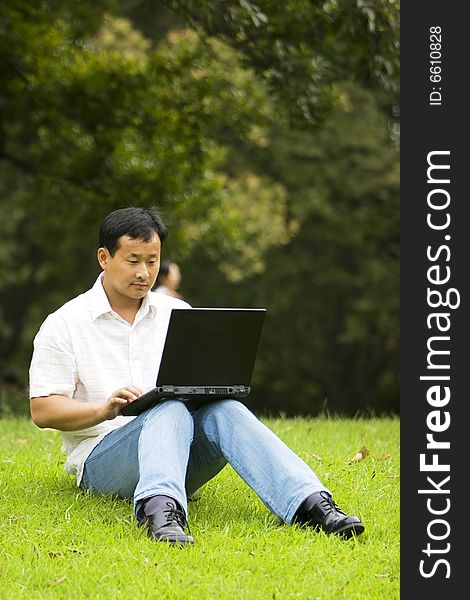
[57,542]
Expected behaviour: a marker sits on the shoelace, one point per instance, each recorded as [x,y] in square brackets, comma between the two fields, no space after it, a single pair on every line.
[174,514]
[328,504]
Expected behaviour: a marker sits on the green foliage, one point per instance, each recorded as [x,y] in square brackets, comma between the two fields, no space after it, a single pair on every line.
[118,103]
[302,48]
[339,307]
[331,339]
[90,125]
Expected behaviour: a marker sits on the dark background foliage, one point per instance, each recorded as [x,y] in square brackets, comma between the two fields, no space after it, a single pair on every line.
[266,132]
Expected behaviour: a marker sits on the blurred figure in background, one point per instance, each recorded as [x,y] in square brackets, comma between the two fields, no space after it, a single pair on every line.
[168,280]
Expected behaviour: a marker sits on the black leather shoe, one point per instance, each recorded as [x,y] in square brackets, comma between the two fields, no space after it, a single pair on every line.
[167,525]
[320,511]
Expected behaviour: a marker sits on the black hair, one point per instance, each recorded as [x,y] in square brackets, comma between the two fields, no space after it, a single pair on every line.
[163,271]
[137,223]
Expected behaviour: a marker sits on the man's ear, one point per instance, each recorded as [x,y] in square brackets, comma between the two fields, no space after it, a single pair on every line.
[103,257]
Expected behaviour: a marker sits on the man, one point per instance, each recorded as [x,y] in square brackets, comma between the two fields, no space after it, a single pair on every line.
[102,350]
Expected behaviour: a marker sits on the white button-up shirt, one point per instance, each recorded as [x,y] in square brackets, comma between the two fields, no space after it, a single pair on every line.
[86,351]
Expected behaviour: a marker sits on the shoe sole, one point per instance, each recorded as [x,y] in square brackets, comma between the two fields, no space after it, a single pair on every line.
[188,539]
[180,543]
[350,530]
[172,541]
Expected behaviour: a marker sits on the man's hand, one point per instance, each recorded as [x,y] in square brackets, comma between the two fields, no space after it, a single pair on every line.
[120,398]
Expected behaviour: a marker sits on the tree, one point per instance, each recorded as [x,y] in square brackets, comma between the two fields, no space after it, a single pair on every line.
[331,338]
[303,48]
[247,132]
[94,118]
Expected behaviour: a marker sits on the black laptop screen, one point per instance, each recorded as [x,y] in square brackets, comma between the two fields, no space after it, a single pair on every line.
[207,346]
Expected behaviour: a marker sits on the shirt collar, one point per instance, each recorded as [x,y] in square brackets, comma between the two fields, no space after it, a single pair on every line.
[149,305]
[100,304]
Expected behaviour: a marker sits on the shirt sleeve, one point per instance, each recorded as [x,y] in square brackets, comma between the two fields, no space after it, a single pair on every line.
[53,368]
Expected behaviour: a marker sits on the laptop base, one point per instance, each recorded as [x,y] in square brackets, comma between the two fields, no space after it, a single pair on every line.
[194,396]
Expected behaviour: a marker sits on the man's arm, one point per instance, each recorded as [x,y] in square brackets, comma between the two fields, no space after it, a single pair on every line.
[53,377]
[66,414]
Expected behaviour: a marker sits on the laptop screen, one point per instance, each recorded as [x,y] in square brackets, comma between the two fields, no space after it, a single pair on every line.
[211,346]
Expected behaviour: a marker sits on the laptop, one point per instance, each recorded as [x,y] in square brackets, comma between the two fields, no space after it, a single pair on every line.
[209,354]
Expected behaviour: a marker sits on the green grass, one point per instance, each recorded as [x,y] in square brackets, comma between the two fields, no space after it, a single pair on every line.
[57,542]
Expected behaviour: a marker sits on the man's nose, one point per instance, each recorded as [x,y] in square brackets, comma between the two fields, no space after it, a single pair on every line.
[142,271]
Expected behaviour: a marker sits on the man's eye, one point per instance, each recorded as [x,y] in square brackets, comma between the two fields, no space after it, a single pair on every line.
[134,262]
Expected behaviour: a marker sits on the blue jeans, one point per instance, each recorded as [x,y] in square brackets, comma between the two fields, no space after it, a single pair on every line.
[169,450]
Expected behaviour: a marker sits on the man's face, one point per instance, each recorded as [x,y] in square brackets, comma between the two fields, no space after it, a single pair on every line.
[132,271]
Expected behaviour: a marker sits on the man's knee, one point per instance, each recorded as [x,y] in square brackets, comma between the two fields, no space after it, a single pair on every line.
[230,410]
[175,410]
